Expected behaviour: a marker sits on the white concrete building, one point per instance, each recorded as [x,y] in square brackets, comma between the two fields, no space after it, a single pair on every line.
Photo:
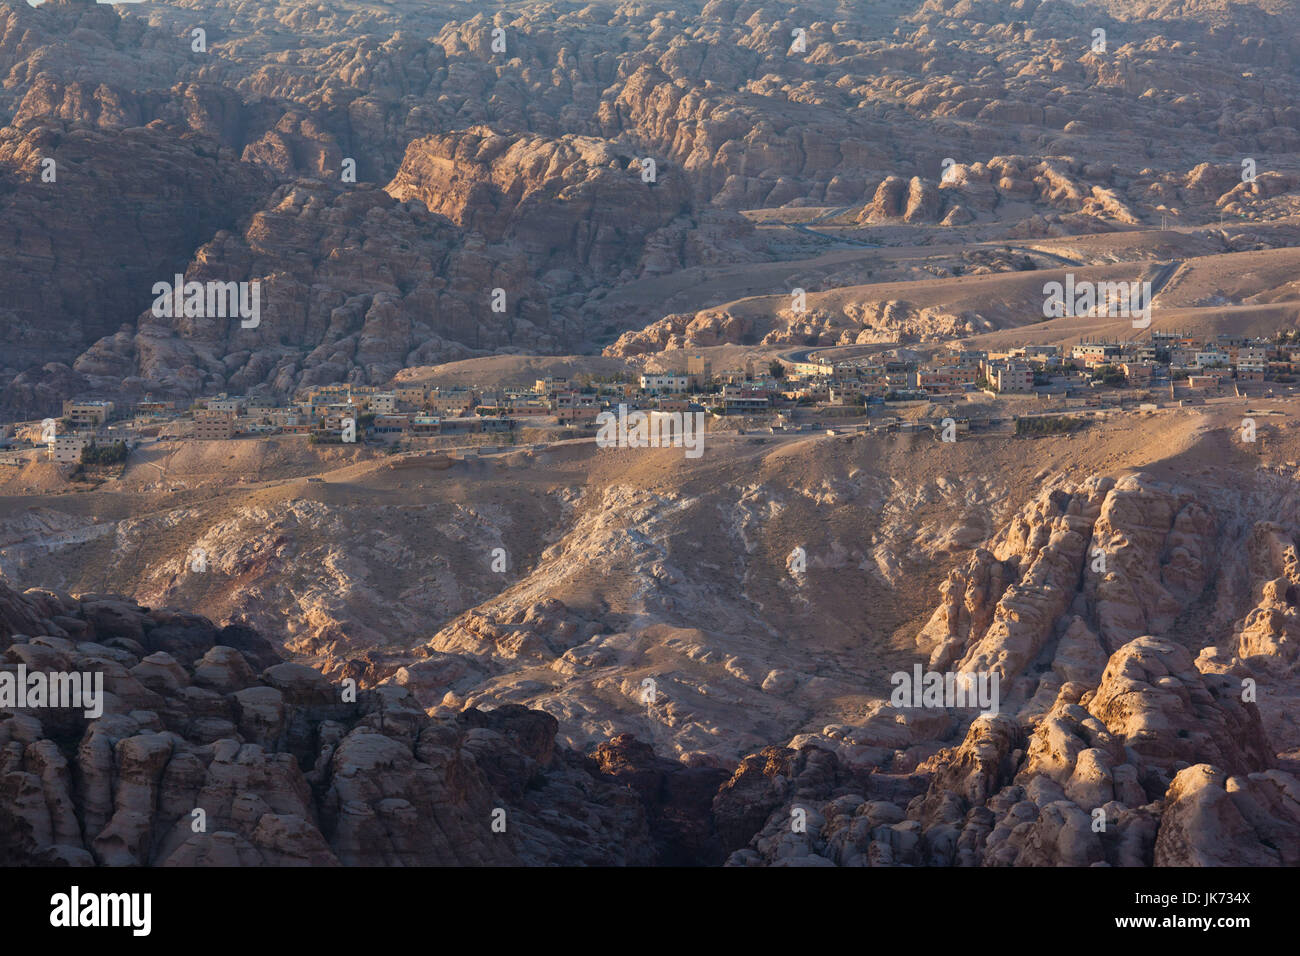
[665,383]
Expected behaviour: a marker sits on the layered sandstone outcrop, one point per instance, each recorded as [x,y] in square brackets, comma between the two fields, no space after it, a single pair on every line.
[864,113]
[1115,742]
[1120,735]
[210,751]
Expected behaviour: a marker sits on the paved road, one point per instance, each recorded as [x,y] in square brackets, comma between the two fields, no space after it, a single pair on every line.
[794,356]
[1163,276]
[1031,251]
[805,227]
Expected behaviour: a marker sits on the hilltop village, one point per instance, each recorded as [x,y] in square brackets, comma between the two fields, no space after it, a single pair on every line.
[798,391]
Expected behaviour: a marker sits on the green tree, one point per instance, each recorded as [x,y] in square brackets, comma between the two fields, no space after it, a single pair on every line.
[113,454]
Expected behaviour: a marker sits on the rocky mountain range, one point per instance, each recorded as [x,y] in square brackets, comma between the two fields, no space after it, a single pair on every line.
[1143,629]
[474,152]
[564,654]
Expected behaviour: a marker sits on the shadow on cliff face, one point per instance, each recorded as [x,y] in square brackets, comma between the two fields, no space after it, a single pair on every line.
[211,750]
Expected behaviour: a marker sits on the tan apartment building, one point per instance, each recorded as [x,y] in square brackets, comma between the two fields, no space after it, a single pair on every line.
[234,406]
[87,413]
[452,404]
[810,369]
[578,413]
[391,427]
[699,370]
[1138,373]
[411,394]
[213,425]
[550,385]
[949,378]
[672,404]
[1011,377]
[527,409]
[214,429]
[66,449]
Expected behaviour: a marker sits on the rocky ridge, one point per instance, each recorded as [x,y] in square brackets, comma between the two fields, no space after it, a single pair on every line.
[863,114]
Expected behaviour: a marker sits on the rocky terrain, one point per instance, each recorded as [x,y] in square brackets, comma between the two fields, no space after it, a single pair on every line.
[653,683]
[309,654]
[473,151]
[213,752]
